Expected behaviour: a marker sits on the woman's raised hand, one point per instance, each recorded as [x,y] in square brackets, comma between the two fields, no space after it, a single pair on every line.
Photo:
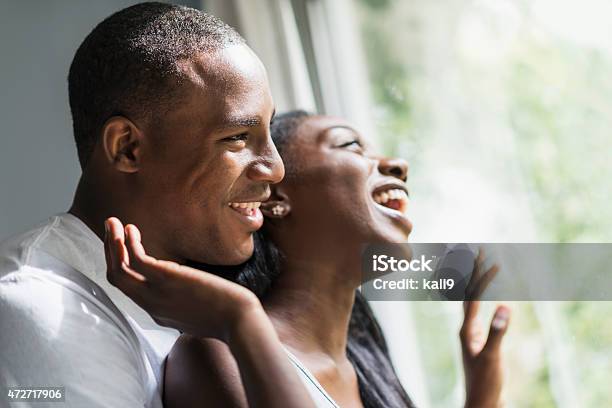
[205,305]
[177,296]
[482,358]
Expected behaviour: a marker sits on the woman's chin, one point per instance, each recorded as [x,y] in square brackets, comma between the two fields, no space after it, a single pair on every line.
[392,225]
[393,231]
[388,235]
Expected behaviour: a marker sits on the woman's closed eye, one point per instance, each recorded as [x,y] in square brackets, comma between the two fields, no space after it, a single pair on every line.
[354,145]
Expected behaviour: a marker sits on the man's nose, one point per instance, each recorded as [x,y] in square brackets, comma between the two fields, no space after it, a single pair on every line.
[268,166]
[393,166]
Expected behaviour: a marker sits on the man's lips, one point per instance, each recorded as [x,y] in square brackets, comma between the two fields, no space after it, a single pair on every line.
[247,205]
[248,212]
[245,208]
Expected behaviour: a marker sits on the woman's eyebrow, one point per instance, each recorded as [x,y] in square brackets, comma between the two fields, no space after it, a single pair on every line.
[342,127]
[325,132]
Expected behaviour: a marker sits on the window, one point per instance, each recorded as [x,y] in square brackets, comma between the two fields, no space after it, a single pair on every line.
[503,110]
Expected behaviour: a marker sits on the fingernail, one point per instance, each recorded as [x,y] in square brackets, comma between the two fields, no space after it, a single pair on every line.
[501,319]
[499,323]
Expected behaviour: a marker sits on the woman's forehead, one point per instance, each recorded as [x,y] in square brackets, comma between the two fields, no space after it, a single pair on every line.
[317,129]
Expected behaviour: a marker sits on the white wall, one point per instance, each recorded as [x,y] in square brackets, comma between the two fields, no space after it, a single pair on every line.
[38,162]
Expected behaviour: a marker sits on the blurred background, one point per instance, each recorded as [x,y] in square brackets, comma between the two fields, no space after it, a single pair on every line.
[503,109]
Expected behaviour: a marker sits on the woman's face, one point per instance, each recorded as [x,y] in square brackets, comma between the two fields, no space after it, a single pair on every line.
[340,193]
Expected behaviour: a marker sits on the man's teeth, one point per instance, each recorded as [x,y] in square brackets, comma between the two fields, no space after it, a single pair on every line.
[248,206]
[385,196]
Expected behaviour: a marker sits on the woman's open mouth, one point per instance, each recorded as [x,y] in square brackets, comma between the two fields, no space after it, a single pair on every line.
[391,197]
[392,200]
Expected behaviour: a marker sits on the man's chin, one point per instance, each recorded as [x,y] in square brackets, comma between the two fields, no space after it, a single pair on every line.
[226,262]
[228,250]
[238,254]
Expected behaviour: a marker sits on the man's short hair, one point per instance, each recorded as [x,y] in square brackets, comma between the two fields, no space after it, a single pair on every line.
[128,64]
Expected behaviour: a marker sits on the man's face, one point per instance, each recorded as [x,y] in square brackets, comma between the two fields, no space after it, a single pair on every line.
[210,157]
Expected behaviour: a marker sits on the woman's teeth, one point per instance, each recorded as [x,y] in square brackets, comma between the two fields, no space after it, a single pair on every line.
[384,197]
[246,208]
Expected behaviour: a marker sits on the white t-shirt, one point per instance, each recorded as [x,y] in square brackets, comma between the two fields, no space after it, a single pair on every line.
[63,325]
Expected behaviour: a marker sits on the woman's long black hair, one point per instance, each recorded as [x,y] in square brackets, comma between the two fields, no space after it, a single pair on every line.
[366,348]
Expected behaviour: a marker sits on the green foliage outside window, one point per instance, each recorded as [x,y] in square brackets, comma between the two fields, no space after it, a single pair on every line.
[551,86]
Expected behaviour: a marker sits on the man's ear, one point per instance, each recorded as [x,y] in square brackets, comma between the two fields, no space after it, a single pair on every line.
[122,142]
[277,206]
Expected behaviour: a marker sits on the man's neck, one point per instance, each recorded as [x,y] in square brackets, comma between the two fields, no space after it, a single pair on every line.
[93,204]
[90,207]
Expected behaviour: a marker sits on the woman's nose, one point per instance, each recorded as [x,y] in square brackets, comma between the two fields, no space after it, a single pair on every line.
[394,167]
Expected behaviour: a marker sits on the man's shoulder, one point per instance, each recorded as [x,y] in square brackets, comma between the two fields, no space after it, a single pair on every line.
[16,251]
[54,333]
[53,286]
[62,238]
[42,297]
[35,275]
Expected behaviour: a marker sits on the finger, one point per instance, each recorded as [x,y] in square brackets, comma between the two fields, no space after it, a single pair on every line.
[119,271]
[136,251]
[107,248]
[474,344]
[476,270]
[131,283]
[112,248]
[116,235]
[470,313]
[141,263]
[119,268]
[484,282]
[470,310]
[499,326]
